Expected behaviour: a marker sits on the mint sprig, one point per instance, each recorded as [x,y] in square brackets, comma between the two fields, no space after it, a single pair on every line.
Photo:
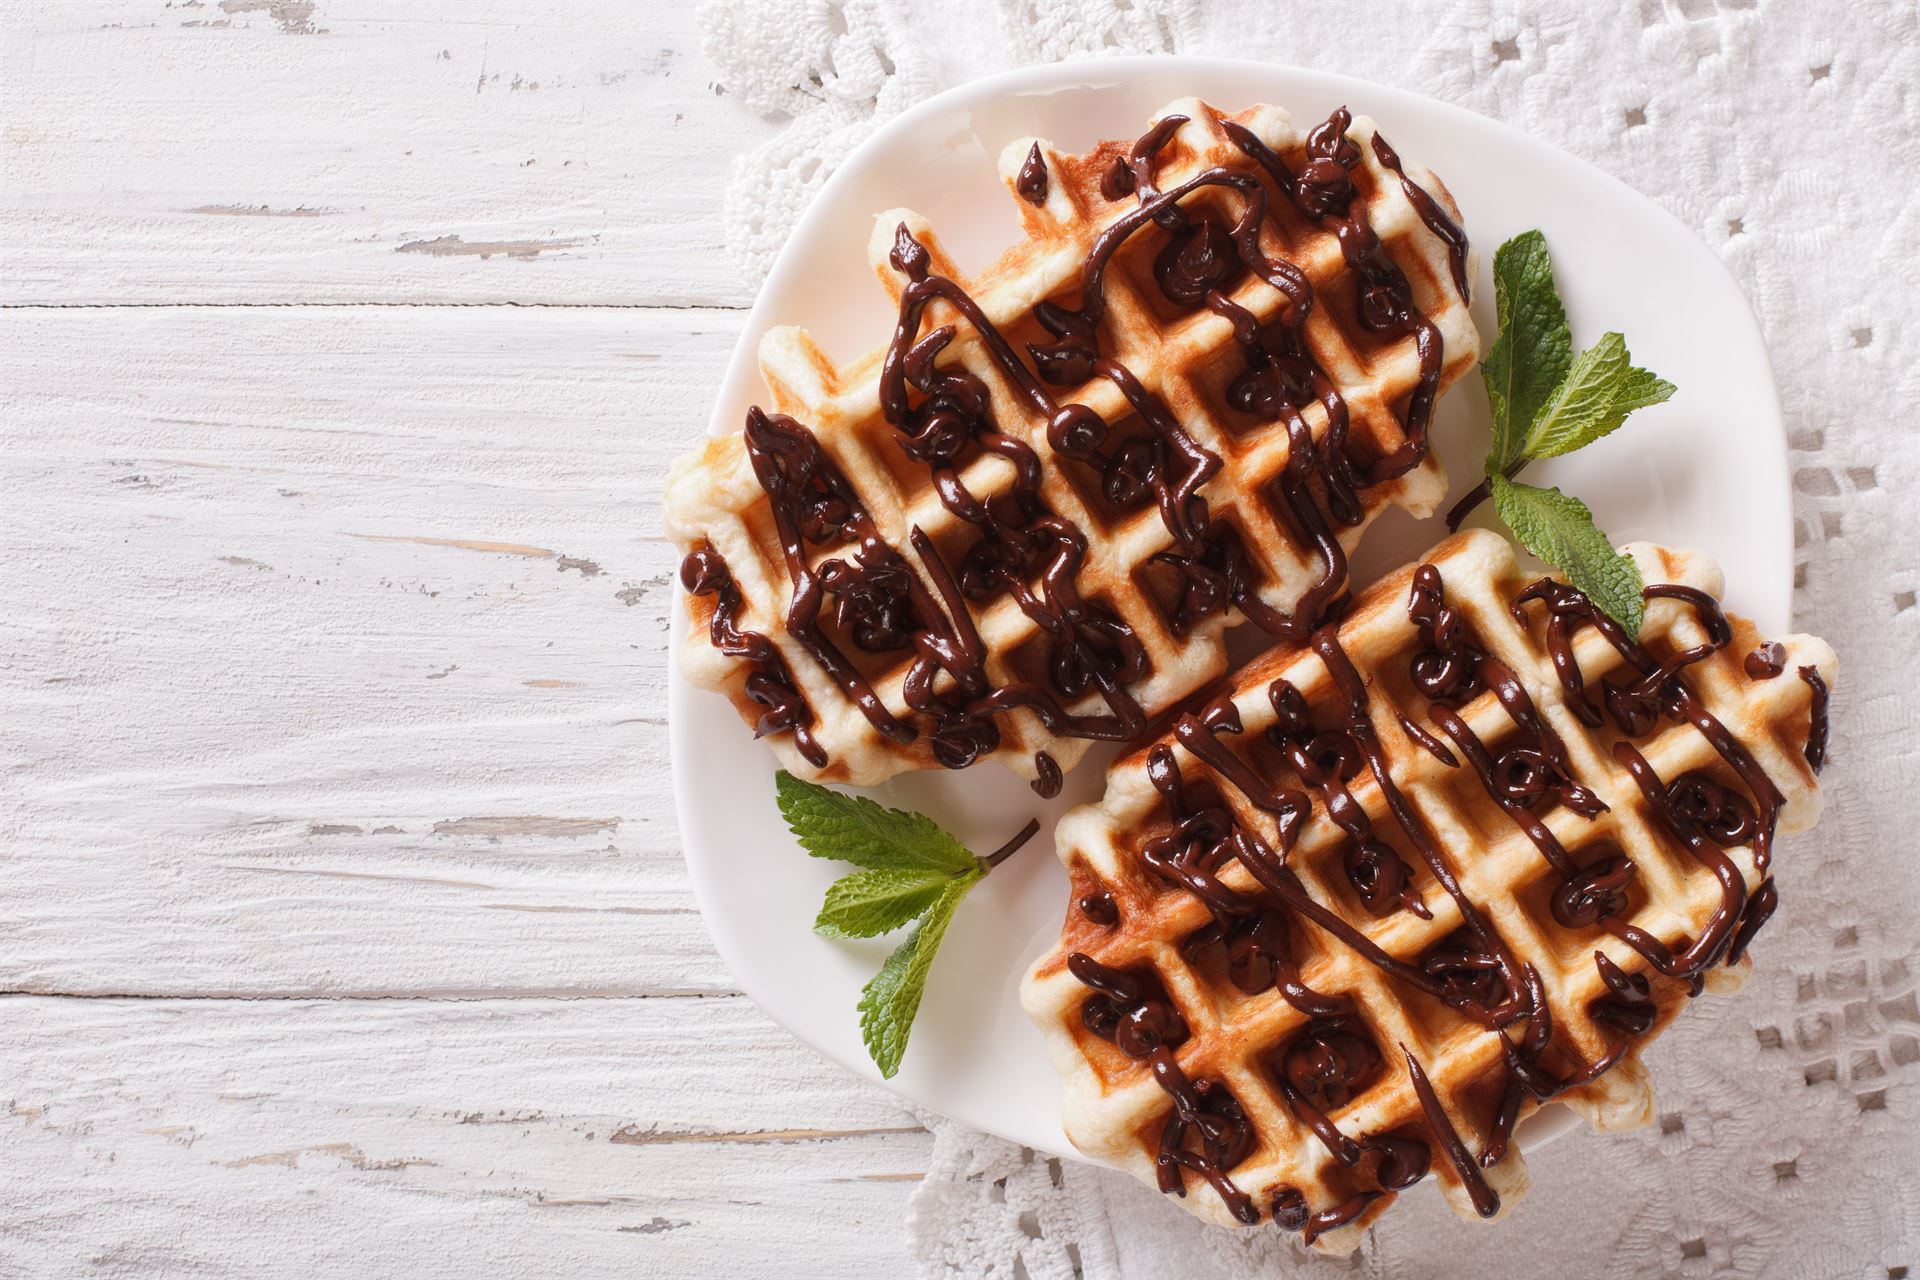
[1596,396]
[832,824]
[870,903]
[914,870]
[1547,403]
[1534,347]
[1560,530]
[889,1003]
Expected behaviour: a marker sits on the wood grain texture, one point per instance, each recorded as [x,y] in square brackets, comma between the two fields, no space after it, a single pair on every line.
[165,151]
[344,929]
[333,623]
[218,1138]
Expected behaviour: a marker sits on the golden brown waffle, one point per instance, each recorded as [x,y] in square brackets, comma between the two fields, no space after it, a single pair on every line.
[1248,1051]
[1186,360]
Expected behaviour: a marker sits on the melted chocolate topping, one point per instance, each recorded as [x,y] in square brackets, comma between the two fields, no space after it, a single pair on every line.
[1766,661]
[875,600]
[1760,908]
[1637,706]
[1326,642]
[1629,1005]
[1430,213]
[1131,1010]
[1326,761]
[1048,784]
[1701,811]
[1100,908]
[1466,971]
[1486,1201]
[1324,192]
[1330,1060]
[812,503]
[769,682]
[1032,182]
[1338,1216]
[1433,746]
[1817,724]
[1290,1210]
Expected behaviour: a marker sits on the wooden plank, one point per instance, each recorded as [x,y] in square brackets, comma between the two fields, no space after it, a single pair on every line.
[336,650]
[435,1138]
[159,151]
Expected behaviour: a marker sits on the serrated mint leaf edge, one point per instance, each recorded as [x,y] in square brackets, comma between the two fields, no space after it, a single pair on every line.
[1601,389]
[1532,347]
[849,828]
[891,1001]
[869,903]
[1560,529]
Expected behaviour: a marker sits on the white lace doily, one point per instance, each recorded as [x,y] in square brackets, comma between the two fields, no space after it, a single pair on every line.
[1787,135]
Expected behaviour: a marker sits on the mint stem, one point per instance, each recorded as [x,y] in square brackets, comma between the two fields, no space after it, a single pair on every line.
[1012,846]
[1477,495]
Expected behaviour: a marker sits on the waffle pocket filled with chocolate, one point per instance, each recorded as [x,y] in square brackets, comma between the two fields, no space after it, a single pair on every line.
[1023,525]
[1470,849]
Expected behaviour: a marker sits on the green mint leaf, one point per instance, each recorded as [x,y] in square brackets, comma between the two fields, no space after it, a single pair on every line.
[869,903]
[1534,347]
[832,824]
[1561,531]
[889,1002]
[1599,392]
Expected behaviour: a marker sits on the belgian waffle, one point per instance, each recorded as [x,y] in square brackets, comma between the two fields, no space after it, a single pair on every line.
[1262,970]
[1209,362]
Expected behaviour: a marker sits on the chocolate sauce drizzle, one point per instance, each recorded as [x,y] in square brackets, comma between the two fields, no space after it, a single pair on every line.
[877,601]
[1703,813]
[1766,661]
[1816,751]
[1486,1201]
[1132,1011]
[769,682]
[1430,213]
[1100,908]
[813,504]
[1049,779]
[1032,182]
[1636,706]
[1332,1058]
[1327,761]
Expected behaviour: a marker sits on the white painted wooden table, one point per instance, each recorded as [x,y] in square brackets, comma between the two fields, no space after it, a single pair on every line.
[343,924]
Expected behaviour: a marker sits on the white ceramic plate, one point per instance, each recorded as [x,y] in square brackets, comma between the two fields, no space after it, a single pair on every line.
[1707,469]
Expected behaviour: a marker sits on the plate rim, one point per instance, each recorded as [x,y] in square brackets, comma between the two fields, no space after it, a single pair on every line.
[1771,604]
